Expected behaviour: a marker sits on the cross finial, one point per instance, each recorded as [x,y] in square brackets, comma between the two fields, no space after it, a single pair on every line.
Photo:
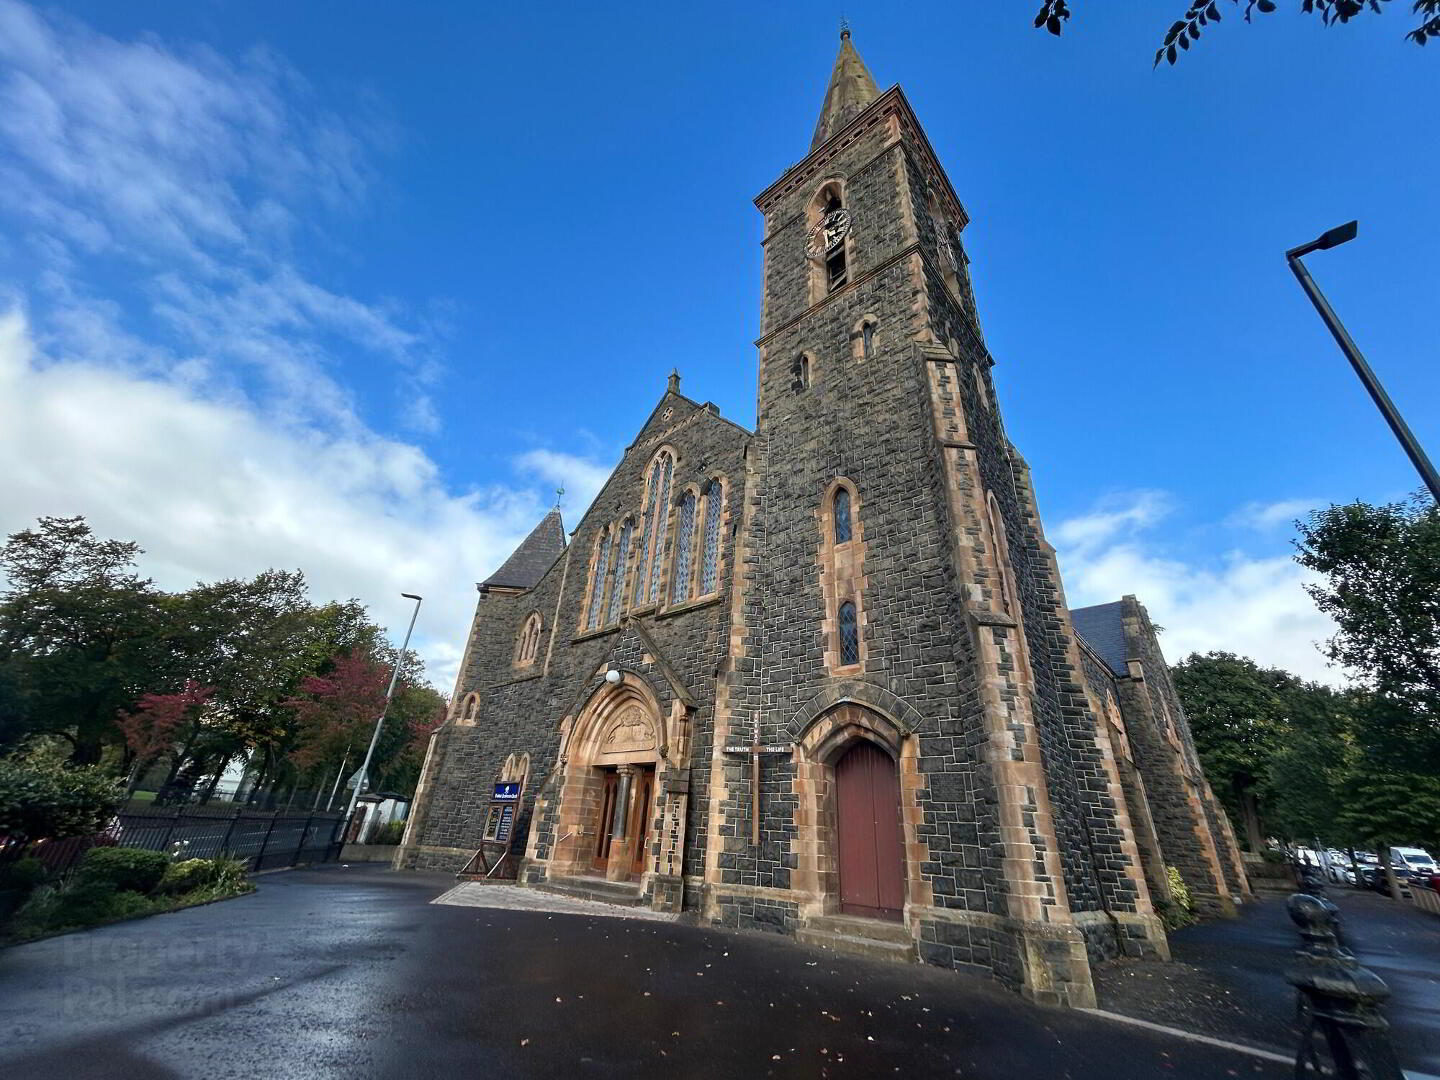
[559,494]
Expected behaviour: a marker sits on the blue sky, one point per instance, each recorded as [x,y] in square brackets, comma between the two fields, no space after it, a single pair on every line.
[354,292]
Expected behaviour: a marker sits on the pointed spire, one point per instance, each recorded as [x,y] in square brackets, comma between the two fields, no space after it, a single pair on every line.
[851,89]
[535,555]
[673,386]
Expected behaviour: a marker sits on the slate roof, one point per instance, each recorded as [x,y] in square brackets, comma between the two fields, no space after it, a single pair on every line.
[1103,628]
[535,555]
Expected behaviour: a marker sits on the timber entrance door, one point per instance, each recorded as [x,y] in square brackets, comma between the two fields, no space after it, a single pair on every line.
[867,821]
[640,821]
[605,823]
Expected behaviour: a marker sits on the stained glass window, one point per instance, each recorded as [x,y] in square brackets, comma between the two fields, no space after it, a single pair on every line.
[641,577]
[597,595]
[662,526]
[842,516]
[849,635]
[617,588]
[710,557]
[680,588]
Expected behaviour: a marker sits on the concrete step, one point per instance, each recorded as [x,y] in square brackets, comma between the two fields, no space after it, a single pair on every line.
[625,893]
[875,939]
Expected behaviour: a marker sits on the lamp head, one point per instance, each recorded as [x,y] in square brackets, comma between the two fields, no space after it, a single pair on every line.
[1337,236]
[612,676]
[410,596]
[1327,240]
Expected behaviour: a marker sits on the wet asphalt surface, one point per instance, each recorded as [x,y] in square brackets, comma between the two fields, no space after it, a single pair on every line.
[1227,979]
[352,973]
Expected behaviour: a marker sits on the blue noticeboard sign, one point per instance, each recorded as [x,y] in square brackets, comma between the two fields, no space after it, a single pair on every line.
[506,792]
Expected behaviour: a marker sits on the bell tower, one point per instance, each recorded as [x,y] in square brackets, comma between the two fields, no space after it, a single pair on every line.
[894,587]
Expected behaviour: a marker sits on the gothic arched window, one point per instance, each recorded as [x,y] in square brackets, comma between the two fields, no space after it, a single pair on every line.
[651,556]
[617,585]
[710,549]
[528,644]
[469,710]
[680,587]
[867,340]
[835,269]
[801,370]
[826,245]
[597,580]
[849,635]
[842,515]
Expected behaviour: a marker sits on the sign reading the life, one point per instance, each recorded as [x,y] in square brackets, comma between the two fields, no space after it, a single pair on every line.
[507,792]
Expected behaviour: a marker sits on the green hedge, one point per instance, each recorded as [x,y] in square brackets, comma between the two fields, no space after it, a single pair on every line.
[125,869]
[46,801]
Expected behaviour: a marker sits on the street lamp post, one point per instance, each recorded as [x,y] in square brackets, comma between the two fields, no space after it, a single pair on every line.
[364,772]
[1336,236]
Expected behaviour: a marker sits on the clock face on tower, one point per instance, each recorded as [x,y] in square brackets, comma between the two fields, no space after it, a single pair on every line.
[828,234]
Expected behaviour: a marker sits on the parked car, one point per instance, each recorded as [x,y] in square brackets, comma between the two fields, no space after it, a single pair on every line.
[1374,878]
[1414,859]
[1340,869]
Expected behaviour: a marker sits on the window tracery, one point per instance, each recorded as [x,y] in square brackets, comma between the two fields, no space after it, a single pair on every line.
[617,584]
[710,552]
[527,645]
[684,536]
[597,587]
[842,515]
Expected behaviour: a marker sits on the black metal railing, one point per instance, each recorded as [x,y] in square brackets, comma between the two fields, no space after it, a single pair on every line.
[262,840]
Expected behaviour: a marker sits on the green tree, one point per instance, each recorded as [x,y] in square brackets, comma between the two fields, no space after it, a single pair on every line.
[1384,799]
[1382,588]
[81,635]
[1237,712]
[1309,767]
[1199,14]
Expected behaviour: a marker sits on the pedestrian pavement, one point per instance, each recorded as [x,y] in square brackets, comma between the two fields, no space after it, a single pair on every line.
[509,897]
[1227,977]
[352,972]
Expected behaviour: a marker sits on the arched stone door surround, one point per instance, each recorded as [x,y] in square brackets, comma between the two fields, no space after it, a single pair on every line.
[614,745]
[821,746]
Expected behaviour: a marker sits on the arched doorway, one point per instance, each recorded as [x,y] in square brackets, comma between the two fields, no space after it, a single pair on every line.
[867,832]
[607,792]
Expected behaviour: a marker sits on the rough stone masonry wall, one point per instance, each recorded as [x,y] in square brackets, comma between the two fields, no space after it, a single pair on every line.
[1097,851]
[1161,685]
[1152,719]
[521,710]
[867,421]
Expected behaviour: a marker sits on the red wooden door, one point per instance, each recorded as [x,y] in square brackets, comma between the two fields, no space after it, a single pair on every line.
[867,819]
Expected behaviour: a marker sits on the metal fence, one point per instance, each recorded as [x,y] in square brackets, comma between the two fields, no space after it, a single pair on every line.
[266,841]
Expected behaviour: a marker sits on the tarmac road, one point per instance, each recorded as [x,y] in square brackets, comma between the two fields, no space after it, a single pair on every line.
[352,973]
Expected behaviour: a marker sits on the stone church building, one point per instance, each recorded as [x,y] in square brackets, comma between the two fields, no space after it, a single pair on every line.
[820,678]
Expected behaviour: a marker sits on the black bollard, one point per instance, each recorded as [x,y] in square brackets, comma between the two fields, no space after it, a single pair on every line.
[1339,1000]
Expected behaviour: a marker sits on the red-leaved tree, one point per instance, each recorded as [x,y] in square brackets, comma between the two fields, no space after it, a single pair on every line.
[154,725]
[336,711]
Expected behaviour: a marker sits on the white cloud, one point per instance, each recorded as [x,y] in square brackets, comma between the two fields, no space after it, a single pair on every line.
[1234,602]
[1264,516]
[181,379]
[580,477]
[1111,516]
[211,490]
[185,183]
